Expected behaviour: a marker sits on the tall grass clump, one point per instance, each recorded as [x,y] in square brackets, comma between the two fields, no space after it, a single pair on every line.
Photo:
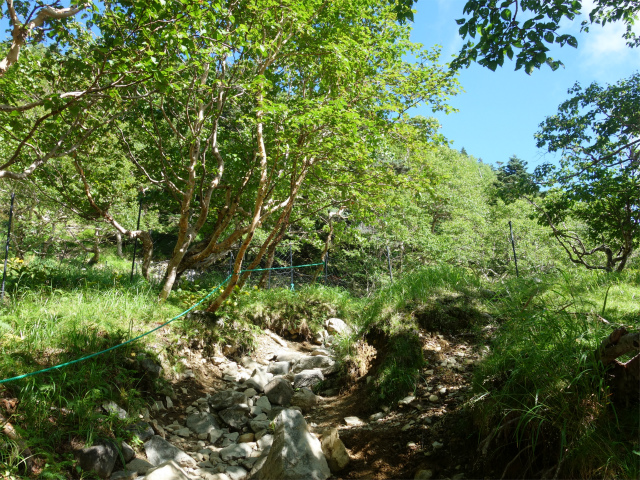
[542,401]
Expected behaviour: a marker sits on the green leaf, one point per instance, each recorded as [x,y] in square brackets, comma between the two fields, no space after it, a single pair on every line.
[506,14]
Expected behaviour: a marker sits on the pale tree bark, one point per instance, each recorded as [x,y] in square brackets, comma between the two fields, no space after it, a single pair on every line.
[119,244]
[21,30]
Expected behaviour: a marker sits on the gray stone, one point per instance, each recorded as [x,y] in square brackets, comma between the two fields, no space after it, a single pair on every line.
[279,391]
[291,357]
[250,392]
[235,451]
[406,400]
[279,368]
[128,453]
[142,431]
[246,438]
[336,325]
[305,399]
[259,425]
[150,366]
[214,435]
[202,422]
[235,417]
[112,408]
[183,432]
[124,475]
[99,458]
[264,404]
[335,451]
[159,451]
[265,442]
[377,416]
[308,378]
[317,361]
[259,379]
[295,453]
[139,465]
[423,475]
[227,399]
[168,470]
[353,421]
[236,473]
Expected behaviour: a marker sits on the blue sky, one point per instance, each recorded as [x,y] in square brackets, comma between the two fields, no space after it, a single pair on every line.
[500,111]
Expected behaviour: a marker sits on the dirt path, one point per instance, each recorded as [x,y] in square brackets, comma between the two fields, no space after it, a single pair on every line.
[428,430]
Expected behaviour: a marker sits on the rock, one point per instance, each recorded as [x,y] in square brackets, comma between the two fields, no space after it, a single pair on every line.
[202,422]
[227,399]
[113,408]
[235,417]
[159,451]
[353,421]
[139,465]
[157,406]
[168,470]
[128,453]
[214,436]
[308,378]
[169,402]
[246,438]
[436,445]
[279,368]
[265,442]
[290,357]
[183,432]
[259,379]
[235,451]
[336,325]
[335,451]
[249,363]
[99,458]
[124,475]
[433,398]
[318,361]
[376,416]
[236,473]
[443,390]
[407,400]
[305,399]
[423,475]
[279,391]
[149,366]
[250,392]
[259,425]
[295,453]
[264,404]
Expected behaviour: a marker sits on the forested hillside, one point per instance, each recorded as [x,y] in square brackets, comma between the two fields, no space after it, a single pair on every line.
[228,236]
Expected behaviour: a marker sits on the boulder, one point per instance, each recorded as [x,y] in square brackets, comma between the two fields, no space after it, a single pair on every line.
[235,451]
[112,408]
[317,361]
[295,452]
[139,465]
[264,404]
[235,472]
[168,470]
[128,453]
[124,475]
[159,451]
[291,357]
[142,431]
[337,326]
[335,451]
[279,368]
[100,458]
[308,378]
[235,417]
[305,399]
[202,422]
[259,379]
[227,399]
[279,391]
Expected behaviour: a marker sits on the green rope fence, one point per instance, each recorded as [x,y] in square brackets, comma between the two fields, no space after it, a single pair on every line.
[82,359]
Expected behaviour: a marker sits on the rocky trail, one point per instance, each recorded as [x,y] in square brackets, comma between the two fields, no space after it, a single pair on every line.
[258,418]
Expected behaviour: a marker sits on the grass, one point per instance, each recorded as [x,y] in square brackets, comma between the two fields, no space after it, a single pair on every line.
[541,388]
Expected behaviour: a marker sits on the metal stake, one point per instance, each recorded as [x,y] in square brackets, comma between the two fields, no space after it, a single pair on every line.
[513,245]
[326,266]
[291,262]
[6,248]
[389,260]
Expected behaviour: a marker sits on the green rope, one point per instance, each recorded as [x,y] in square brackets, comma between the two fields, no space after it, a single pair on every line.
[55,367]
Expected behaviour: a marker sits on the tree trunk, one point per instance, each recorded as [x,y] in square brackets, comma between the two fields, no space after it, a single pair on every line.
[624,378]
[95,249]
[119,244]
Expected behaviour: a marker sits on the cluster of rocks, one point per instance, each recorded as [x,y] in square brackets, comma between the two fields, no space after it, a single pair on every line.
[253,429]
